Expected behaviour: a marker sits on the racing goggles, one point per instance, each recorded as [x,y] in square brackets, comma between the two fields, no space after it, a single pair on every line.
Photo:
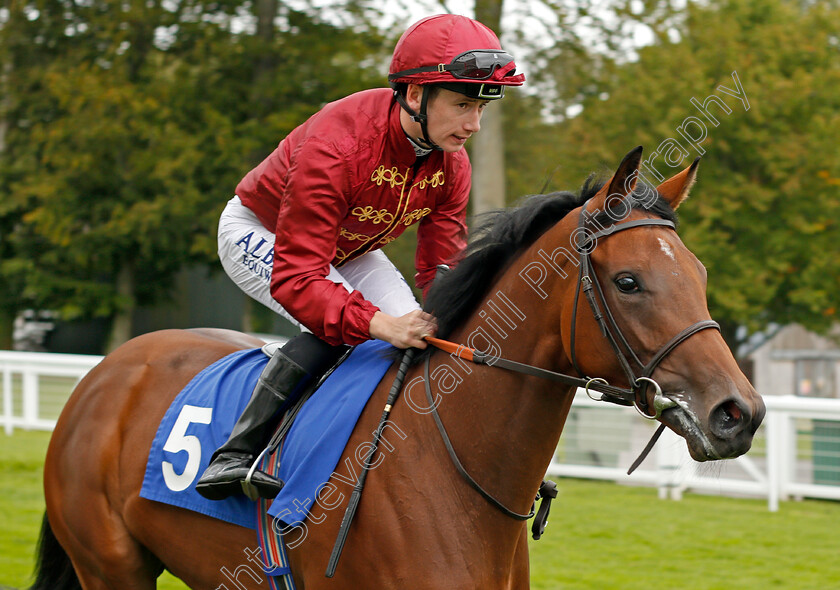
[476,64]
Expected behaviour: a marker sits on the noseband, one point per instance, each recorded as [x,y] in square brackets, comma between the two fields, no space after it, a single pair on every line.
[590,286]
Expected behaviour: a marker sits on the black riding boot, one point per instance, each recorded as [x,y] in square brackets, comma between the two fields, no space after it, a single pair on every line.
[290,370]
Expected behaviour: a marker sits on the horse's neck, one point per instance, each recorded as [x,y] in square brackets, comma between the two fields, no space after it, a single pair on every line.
[514,420]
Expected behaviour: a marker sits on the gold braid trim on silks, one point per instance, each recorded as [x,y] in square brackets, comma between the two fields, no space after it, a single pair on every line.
[348,235]
[415,216]
[389,175]
[435,181]
[375,216]
[402,215]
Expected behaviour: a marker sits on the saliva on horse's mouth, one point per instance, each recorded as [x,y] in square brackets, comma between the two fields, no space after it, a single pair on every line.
[682,420]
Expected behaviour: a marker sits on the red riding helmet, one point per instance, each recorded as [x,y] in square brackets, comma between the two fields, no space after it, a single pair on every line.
[458,52]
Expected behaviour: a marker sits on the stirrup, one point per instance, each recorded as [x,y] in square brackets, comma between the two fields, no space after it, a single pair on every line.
[249,489]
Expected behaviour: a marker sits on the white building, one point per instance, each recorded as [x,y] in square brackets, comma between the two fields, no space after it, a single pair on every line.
[796,361]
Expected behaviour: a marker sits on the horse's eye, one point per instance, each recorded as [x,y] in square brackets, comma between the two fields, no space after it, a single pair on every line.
[627,284]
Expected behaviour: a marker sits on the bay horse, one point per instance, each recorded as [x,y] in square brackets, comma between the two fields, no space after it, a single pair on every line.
[596,286]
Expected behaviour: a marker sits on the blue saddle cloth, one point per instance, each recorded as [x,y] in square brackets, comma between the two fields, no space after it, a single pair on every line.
[320,432]
[202,416]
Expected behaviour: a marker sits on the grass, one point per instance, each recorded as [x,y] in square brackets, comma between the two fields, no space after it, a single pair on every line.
[600,536]
[21,502]
[606,536]
[22,507]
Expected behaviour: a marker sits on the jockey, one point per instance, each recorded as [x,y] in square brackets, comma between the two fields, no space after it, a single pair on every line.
[304,231]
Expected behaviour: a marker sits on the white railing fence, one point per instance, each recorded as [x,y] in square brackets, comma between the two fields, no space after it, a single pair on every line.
[795,454]
[36,385]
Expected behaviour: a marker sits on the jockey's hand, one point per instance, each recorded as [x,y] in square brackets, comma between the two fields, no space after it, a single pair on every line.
[404,331]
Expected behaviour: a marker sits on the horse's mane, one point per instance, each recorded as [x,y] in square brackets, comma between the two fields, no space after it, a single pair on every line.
[501,235]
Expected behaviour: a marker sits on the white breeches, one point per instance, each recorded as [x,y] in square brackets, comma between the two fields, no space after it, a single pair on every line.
[246,248]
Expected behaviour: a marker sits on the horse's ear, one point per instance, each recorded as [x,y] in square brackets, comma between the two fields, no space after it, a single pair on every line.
[622,182]
[675,190]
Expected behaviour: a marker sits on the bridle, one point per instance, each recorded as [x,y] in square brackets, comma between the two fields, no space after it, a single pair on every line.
[590,286]
[634,396]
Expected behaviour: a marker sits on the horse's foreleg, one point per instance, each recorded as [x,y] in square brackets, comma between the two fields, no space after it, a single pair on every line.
[520,578]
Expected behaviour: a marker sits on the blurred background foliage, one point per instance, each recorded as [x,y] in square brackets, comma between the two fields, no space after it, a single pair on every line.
[125,126]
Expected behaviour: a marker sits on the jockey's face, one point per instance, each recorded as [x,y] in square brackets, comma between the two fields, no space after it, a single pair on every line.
[452,117]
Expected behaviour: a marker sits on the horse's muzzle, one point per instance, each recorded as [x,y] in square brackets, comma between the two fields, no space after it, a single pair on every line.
[728,434]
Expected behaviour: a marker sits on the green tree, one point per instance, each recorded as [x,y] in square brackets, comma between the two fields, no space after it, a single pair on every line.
[24,49]
[134,132]
[765,214]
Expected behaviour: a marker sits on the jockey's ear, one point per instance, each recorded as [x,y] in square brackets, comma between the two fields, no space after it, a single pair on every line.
[414,96]
[622,182]
[675,190]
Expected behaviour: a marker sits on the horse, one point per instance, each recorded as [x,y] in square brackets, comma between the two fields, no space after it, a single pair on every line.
[593,287]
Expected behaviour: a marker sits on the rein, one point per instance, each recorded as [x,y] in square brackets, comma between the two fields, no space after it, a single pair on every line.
[356,494]
[452,455]
[634,396]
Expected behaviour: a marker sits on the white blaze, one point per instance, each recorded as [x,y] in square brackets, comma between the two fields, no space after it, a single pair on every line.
[666,248]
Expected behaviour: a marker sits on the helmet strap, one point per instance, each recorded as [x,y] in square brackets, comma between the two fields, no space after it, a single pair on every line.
[421,117]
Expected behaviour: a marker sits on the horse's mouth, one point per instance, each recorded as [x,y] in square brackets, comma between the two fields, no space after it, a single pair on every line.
[682,420]
[725,432]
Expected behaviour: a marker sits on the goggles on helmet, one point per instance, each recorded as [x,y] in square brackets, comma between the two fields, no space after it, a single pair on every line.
[480,91]
[476,64]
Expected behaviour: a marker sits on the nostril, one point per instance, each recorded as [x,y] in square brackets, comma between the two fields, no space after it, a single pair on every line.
[732,411]
[728,419]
